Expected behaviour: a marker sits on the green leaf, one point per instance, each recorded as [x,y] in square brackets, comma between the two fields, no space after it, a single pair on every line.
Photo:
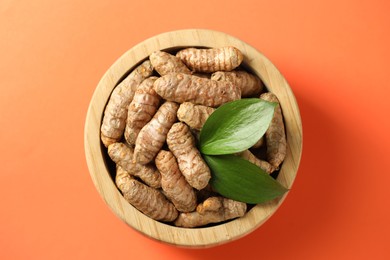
[240,180]
[236,126]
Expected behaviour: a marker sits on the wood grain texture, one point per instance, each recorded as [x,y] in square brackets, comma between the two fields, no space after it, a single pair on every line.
[198,237]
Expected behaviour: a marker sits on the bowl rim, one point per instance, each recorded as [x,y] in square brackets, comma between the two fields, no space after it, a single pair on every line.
[190,237]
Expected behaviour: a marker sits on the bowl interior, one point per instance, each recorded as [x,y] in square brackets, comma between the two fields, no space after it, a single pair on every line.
[102,170]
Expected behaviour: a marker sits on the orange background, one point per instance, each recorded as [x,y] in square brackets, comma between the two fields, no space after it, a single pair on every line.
[335,55]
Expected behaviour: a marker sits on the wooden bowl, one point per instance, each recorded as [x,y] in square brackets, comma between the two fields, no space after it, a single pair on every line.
[102,173]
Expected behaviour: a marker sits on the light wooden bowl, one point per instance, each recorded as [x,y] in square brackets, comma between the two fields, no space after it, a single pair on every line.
[98,163]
